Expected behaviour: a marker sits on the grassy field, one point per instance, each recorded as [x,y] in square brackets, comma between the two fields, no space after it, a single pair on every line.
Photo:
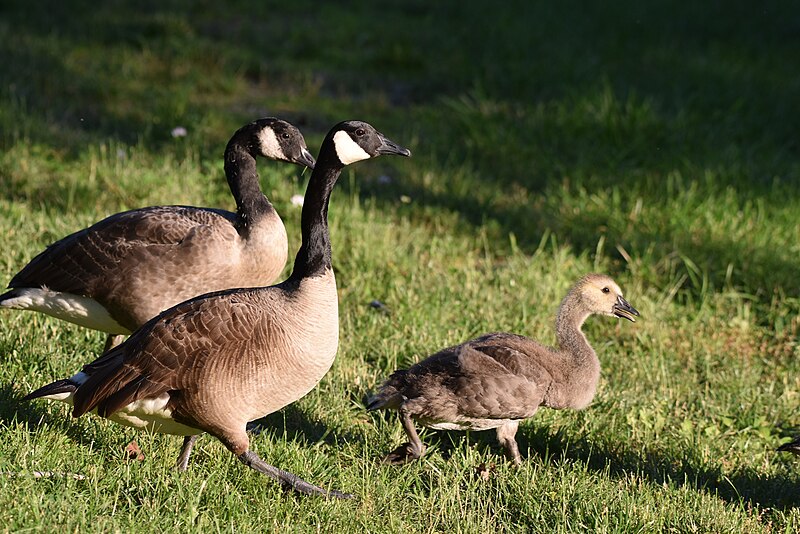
[653,141]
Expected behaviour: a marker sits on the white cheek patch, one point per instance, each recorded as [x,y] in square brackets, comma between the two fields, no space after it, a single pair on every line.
[82,311]
[347,149]
[270,146]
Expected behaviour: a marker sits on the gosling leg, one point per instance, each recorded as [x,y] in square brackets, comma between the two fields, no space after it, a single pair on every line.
[505,435]
[407,452]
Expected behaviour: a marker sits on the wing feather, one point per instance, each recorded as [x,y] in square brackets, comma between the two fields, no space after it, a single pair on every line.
[491,377]
[80,260]
[167,351]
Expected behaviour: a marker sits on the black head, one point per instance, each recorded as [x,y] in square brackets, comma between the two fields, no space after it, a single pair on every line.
[277,139]
[357,140]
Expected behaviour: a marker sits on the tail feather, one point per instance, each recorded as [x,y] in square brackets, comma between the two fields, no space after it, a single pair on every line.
[792,446]
[56,388]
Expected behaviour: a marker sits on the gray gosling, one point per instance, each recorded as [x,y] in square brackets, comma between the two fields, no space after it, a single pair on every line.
[218,361]
[120,272]
[498,379]
[792,446]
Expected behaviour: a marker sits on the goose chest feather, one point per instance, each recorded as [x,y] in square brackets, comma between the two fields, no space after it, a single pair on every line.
[215,362]
[127,268]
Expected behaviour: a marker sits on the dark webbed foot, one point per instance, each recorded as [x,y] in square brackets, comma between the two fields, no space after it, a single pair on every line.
[403,454]
[413,449]
[288,480]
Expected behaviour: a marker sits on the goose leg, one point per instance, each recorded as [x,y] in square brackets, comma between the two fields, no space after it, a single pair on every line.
[505,435]
[252,460]
[183,458]
[413,450]
[112,340]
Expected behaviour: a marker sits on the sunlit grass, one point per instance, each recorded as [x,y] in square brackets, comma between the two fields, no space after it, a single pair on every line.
[648,142]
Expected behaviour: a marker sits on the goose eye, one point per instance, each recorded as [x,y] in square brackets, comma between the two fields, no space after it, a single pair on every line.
[285,135]
[360,132]
[606,290]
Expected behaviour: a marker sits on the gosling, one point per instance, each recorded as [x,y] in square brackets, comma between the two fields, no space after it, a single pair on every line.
[499,379]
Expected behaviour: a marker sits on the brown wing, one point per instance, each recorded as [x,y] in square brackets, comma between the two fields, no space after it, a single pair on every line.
[496,382]
[162,356]
[485,378]
[76,263]
[519,354]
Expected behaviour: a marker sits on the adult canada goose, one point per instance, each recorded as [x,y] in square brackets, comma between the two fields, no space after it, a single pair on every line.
[792,446]
[215,362]
[498,379]
[120,272]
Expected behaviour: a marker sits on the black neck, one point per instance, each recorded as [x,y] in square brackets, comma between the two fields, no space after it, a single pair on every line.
[240,169]
[314,256]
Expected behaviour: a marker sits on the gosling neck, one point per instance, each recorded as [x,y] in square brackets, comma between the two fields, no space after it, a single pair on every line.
[240,169]
[571,339]
[579,368]
[314,256]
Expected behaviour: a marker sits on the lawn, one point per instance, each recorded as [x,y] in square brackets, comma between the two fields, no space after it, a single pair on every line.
[654,141]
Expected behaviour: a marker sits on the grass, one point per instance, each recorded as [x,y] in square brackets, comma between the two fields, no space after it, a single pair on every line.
[653,141]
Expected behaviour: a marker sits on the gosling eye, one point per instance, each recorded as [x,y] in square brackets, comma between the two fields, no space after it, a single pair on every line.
[360,132]
[606,290]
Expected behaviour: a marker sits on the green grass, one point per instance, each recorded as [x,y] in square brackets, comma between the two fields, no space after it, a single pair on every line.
[653,141]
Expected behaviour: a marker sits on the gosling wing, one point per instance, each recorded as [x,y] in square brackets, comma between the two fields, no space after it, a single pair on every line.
[490,385]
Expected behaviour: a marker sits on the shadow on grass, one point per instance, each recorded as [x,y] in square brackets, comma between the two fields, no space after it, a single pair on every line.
[613,94]
[292,424]
[79,63]
[541,445]
[742,487]
[33,416]
[705,258]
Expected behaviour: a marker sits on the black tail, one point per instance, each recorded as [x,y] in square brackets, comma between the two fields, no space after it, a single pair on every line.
[792,446]
[59,386]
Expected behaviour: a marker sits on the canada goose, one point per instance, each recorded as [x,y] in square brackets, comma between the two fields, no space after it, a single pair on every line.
[120,272]
[792,446]
[498,379]
[215,362]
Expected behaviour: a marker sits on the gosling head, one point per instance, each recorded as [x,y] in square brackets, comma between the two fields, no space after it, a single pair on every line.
[601,295]
[356,140]
[277,139]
